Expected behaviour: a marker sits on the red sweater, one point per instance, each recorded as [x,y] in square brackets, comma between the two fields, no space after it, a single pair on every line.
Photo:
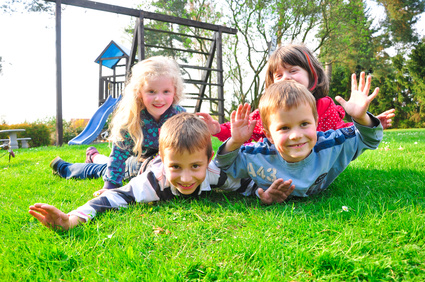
[330,117]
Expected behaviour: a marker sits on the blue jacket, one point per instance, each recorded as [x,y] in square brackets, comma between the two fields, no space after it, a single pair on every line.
[334,150]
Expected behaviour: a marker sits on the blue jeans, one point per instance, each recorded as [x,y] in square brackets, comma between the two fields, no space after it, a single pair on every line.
[83,170]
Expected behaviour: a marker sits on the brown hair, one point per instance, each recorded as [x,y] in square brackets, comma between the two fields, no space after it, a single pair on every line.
[284,95]
[299,55]
[185,132]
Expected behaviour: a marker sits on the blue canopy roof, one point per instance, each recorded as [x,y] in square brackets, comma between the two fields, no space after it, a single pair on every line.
[115,51]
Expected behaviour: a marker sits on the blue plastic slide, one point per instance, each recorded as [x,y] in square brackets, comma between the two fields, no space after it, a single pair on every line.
[96,123]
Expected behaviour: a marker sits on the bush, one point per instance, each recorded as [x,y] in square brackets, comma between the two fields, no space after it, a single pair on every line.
[38,132]
[43,132]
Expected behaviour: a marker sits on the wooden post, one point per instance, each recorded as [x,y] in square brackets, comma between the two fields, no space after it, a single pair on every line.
[207,73]
[101,91]
[141,37]
[59,122]
[220,76]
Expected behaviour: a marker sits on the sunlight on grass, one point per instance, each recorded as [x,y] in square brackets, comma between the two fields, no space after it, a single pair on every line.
[368,225]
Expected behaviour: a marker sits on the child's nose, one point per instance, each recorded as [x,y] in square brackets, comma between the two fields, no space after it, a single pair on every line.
[186,176]
[295,134]
[287,76]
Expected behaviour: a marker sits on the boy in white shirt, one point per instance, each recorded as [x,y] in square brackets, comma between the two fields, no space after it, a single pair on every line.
[183,169]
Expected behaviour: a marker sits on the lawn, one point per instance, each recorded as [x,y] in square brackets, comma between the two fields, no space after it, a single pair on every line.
[368,225]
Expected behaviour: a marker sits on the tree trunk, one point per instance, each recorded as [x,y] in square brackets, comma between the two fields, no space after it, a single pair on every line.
[328,70]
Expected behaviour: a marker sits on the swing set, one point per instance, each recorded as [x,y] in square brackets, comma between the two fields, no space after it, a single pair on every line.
[206,79]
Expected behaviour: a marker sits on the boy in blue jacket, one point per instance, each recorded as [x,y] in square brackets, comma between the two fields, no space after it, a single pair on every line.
[293,151]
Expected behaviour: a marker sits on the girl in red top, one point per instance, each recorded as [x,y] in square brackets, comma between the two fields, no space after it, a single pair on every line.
[296,62]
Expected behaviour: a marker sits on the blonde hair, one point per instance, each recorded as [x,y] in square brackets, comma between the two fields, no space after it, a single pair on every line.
[284,95]
[185,132]
[299,55]
[126,117]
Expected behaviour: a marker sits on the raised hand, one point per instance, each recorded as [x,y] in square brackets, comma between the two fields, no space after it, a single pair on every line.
[52,217]
[386,118]
[241,127]
[360,99]
[213,125]
[277,192]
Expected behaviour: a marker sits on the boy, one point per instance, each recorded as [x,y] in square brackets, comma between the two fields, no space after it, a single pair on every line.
[293,150]
[183,169]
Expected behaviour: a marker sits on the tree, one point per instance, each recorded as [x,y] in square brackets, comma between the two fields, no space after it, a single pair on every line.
[417,72]
[15,6]
[258,22]
[194,10]
[401,15]
[346,44]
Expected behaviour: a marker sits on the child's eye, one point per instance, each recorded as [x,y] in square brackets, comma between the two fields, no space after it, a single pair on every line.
[305,124]
[284,128]
[175,167]
[196,166]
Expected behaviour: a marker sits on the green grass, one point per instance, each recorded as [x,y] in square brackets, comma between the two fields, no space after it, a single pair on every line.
[223,237]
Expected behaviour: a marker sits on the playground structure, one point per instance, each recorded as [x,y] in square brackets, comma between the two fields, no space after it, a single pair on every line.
[96,123]
[206,89]
[112,85]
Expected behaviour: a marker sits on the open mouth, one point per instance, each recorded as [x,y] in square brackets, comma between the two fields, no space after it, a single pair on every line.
[187,187]
[297,145]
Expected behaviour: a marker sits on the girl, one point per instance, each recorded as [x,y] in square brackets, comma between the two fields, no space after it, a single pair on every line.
[150,98]
[296,62]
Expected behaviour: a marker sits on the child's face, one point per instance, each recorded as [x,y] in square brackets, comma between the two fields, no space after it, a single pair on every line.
[185,171]
[157,95]
[288,72]
[293,132]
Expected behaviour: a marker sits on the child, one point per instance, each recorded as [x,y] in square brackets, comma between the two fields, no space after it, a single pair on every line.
[150,98]
[293,150]
[296,62]
[184,168]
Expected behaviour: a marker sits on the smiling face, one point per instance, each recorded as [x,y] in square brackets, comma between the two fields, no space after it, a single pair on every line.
[293,132]
[185,171]
[157,94]
[288,72]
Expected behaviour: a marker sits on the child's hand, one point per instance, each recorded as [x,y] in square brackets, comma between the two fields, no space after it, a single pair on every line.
[242,128]
[213,125]
[100,192]
[359,100]
[385,118]
[52,217]
[277,192]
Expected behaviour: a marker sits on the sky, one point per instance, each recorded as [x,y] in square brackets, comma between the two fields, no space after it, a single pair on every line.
[27,46]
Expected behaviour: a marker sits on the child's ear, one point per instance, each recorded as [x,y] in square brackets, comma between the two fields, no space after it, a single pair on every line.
[268,135]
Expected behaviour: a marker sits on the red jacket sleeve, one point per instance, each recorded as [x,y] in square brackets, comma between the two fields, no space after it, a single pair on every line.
[224,133]
[258,135]
[330,115]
